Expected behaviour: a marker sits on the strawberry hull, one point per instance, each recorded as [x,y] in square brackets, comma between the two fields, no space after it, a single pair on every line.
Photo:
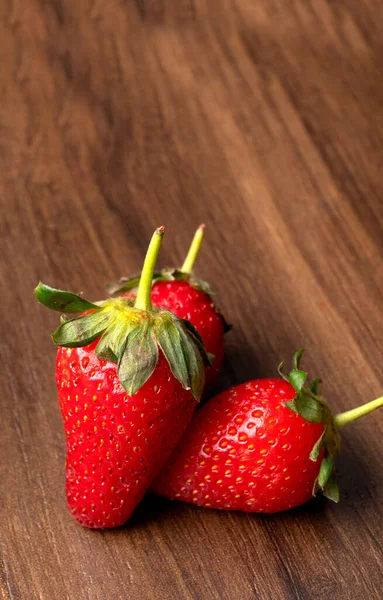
[116,443]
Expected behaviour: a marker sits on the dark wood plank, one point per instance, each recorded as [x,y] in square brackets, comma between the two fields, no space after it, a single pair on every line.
[264,120]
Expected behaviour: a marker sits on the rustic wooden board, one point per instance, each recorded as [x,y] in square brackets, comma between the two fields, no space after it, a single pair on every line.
[264,120]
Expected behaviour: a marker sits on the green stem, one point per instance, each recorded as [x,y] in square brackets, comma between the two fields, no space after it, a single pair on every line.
[143,301]
[190,259]
[351,415]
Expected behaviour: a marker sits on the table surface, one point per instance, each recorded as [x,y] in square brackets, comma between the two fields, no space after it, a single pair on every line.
[264,120]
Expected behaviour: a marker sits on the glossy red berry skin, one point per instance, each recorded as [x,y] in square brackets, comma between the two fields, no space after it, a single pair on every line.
[116,444]
[197,307]
[244,450]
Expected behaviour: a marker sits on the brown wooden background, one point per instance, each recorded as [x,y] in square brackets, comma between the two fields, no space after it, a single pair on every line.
[263,119]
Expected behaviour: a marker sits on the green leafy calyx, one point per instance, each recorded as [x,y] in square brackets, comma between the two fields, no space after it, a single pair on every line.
[130,337]
[61,301]
[314,409]
[127,284]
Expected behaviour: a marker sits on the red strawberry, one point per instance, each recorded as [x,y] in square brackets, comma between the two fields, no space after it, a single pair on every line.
[128,378]
[188,298]
[263,446]
[116,443]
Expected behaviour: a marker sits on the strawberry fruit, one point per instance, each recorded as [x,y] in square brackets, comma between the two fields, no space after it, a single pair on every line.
[189,298]
[263,446]
[129,377]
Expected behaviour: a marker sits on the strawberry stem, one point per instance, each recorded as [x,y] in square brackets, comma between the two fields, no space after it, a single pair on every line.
[351,415]
[190,259]
[143,301]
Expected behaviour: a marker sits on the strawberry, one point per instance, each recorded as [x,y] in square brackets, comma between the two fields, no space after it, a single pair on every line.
[129,377]
[188,298]
[263,446]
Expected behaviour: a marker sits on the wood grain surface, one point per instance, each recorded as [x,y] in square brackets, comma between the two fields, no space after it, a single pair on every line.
[265,121]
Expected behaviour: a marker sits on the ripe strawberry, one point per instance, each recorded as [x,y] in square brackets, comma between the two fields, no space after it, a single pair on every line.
[128,378]
[188,298]
[263,446]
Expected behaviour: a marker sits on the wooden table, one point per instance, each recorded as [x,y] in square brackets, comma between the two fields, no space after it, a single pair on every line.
[264,120]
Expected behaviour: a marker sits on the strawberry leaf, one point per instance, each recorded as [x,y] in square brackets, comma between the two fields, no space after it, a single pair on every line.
[195,360]
[332,438]
[183,352]
[198,341]
[81,331]
[297,379]
[314,385]
[325,471]
[126,284]
[61,301]
[138,359]
[315,452]
[311,410]
[112,341]
[202,286]
[296,359]
[331,489]
[170,344]
[291,405]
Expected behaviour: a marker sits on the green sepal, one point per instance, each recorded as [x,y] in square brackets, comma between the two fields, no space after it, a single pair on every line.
[310,409]
[314,409]
[169,274]
[331,489]
[61,301]
[297,379]
[329,440]
[81,331]
[297,358]
[198,342]
[126,284]
[314,385]
[325,470]
[138,358]
[169,340]
[183,355]
[195,360]
[332,442]
[291,405]
[202,286]
[317,448]
[113,339]
[194,363]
